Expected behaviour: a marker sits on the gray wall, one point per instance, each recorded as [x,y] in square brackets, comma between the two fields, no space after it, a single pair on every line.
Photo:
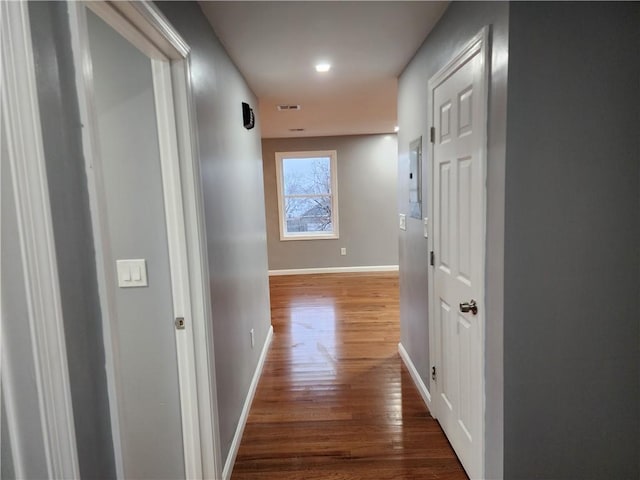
[231,168]
[367,183]
[572,242]
[73,236]
[143,320]
[460,22]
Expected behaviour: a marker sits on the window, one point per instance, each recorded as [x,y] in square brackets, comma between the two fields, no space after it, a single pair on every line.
[307,195]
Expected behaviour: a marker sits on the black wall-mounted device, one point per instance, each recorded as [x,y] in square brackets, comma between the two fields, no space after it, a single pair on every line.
[248,118]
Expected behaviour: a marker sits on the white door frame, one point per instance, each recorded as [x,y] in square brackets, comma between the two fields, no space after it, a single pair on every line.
[146,28]
[479,44]
[21,117]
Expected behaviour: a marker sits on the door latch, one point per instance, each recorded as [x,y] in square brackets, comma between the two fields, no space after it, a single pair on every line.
[180,323]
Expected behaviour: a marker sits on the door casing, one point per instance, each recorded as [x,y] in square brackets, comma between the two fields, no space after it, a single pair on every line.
[145,27]
[47,350]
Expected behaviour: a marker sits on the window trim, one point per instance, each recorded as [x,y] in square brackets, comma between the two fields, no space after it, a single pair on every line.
[332,154]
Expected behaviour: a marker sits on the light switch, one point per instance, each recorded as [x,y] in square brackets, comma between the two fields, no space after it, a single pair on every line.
[426,227]
[136,273]
[403,221]
[132,273]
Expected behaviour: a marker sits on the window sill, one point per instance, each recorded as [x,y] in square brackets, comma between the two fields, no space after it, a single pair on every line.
[333,236]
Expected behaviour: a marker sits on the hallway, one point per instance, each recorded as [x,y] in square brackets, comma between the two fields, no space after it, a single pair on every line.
[335,400]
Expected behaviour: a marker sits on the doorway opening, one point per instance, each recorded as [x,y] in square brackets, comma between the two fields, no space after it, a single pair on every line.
[132,76]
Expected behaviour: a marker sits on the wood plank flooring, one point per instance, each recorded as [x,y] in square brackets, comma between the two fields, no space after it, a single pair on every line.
[335,401]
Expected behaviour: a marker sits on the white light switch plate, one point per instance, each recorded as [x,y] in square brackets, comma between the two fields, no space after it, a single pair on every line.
[132,273]
[426,227]
[403,221]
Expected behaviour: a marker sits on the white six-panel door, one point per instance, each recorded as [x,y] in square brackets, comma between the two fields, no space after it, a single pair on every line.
[459,117]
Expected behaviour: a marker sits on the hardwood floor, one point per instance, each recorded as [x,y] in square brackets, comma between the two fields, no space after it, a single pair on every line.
[335,401]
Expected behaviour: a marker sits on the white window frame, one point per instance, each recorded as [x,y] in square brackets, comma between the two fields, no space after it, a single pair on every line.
[333,156]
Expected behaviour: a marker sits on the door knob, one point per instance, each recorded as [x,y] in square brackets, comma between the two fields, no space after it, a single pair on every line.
[469,307]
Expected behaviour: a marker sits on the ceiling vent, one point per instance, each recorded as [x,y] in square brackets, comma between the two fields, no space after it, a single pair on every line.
[282,108]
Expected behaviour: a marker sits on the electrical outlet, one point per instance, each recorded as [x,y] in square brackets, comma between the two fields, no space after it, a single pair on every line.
[343,251]
[253,341]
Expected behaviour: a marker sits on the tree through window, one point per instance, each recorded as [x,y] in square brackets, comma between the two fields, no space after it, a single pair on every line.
[307,195]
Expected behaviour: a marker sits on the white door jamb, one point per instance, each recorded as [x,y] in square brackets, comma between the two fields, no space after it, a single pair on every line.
[21,115]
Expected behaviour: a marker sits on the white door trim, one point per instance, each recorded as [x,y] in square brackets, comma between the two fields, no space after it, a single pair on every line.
[198,268]
[178,260]
[479,44]
[147,29]
[21,115]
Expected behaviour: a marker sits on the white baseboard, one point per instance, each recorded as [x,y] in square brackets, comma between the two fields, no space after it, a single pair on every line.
[235,444]
[422,388]
[309,271]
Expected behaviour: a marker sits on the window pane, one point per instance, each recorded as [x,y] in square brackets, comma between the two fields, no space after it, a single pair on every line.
[306,176]
[308,214]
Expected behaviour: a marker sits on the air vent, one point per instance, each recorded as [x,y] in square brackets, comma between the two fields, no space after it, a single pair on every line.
[296,129]
[282,108]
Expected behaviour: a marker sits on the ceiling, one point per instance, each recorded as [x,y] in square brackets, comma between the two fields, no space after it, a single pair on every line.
[277,44]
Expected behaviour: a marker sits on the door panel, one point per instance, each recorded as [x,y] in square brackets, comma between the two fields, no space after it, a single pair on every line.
[444,258]
[463,249]
[465,107]
[464,334]
[445,122]
[449,379]
[458,212]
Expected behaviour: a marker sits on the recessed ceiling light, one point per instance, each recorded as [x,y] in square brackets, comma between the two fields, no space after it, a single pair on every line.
[323,67]
[396,129]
